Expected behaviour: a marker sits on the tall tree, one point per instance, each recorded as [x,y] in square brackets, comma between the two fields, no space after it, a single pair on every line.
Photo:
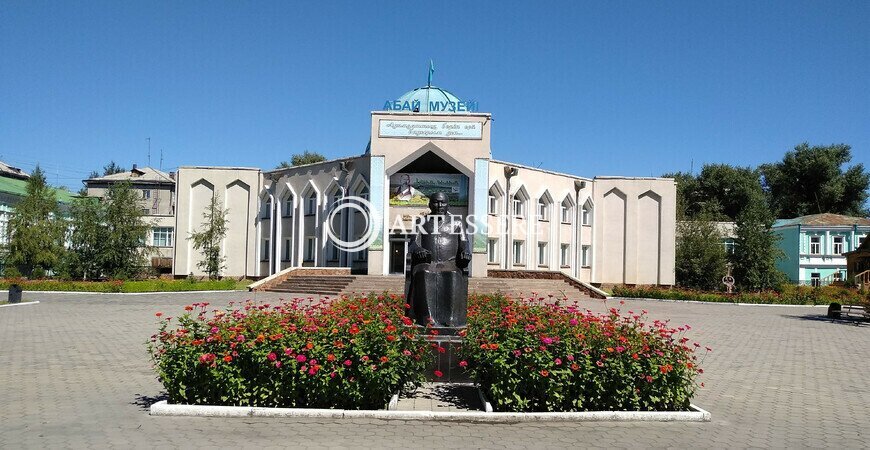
[300,159]
[112,168]
[36,230]
[700,254]
[125,250]
[88,237]
[720,190]
[209,238]
[812,180]
[756,251]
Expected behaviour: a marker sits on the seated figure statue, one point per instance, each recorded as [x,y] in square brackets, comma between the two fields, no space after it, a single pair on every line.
[437,288]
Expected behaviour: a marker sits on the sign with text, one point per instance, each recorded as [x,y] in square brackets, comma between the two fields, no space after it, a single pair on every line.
[427,129]
[414,189]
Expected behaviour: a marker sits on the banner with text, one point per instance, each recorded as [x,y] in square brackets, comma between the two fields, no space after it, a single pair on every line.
[427,129]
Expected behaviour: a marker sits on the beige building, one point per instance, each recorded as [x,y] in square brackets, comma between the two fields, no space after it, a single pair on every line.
[157,201]
[603,230]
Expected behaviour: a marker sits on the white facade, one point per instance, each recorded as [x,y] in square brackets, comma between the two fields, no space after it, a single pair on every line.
[604,230]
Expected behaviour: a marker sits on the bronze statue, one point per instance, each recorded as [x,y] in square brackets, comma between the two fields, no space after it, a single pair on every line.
[437,287]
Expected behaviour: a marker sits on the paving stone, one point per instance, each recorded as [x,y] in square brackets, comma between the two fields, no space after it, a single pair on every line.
[74,372]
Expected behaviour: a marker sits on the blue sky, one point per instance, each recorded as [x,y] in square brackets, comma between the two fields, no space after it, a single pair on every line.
[605,88]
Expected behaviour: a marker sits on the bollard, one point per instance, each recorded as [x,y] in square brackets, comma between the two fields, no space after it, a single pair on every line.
[14,293]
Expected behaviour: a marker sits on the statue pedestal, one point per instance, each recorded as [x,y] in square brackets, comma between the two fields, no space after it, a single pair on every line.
[447,362]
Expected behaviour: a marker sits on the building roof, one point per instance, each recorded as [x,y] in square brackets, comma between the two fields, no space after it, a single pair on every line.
[823,220]
[11,171]
[136,174]
[18,187]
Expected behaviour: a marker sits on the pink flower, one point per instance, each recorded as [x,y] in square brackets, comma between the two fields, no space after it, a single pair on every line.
[620,349]
[277,364]
[347,362]
[547,340]
[301,358]
[463,364]
[214,330]
[288,351]
[573,321]
[558,362]
[272,356]
[406,352]
[570,357]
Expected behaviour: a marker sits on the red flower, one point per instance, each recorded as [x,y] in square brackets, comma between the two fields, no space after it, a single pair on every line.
[463,364]
[272,356]
[159,314]
[439,374]
[228,358]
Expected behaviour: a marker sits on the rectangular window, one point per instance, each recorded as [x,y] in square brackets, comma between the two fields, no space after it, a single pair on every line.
[362,255]
[492,251]
[542,253]
[518,252]
[518,207]
[267,208]
[838,245]
[333,252]
[162,236]
[146,211]
[288,207]
[542,210]
[310,205]
[815,279]
[566,213]
[565,255]
[729,245]
[266,251]
[584,256]
[287,249]
[309,248]
[585,216]
[146,194]
[493,204]
[815,245]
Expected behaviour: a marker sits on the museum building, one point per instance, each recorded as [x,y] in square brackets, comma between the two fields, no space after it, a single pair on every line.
[601,230]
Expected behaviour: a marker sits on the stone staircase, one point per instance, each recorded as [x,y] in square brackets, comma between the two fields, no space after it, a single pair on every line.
[359,284]
[314,284]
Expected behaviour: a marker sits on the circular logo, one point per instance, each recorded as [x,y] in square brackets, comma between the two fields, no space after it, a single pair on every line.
[352,204]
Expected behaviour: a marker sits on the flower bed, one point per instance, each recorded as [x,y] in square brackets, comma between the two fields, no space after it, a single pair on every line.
[787,294]
[545,358]
[351,353]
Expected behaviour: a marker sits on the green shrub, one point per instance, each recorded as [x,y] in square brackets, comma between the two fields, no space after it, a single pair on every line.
[182,285]
[786,294]
[533,357]
[352,353]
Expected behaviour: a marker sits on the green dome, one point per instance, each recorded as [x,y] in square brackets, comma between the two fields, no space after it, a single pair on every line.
[427,96]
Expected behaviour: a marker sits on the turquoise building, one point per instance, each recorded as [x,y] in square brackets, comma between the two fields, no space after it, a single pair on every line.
[814,245]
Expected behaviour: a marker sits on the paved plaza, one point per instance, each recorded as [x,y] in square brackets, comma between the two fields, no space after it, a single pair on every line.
[74,372]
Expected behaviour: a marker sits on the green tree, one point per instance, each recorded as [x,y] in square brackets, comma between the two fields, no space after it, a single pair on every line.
[811,180]
[88,236]
[756,251]
[124,252]
[720,190]
[300,159]
[112,168]
[208,240]
[700,254]
[36,230]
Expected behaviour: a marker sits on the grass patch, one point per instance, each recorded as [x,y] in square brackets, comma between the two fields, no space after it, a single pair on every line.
[118,286]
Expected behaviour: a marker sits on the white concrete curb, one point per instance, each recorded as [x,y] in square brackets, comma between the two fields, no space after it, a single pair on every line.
[698,302]
[162,408]
[19,304]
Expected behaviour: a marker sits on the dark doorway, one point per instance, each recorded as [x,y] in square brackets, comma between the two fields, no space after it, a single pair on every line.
[398,252]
